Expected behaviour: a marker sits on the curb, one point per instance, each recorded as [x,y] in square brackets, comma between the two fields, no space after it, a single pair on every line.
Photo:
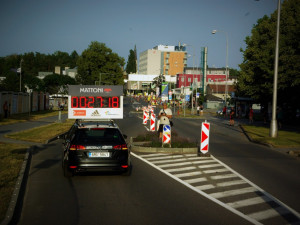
[16,202]
[174,151]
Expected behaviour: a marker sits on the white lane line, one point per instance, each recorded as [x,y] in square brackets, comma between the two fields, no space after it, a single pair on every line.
[269,213]
[164,157]
[168,161]
[231,183]
[201,161]
[217,177]
[188,174]
[209,166]
[216,171]
[233,192]
[181,169]
[195,180]
[199,191]
[249,202]
[205,187]
[154,156]
[175,164]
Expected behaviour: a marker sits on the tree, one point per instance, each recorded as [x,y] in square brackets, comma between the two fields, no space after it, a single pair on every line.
[99,60]
[11,82]
[257,70]
[131,63]
[57,84]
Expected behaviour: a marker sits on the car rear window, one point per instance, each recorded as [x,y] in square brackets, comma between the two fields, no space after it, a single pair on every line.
[99,135]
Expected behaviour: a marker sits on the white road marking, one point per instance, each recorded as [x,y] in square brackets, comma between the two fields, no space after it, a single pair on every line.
[217,177]
[231,183]
[205,187]
[249,202]
[199,163]
[188,174]
[233,192]
[181,169]
[195,180]
[270,213]
[175,164]
[216,171]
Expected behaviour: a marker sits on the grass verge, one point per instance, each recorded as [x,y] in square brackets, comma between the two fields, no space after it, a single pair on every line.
[285,139]
[43,133]
[17,118]
[11,159]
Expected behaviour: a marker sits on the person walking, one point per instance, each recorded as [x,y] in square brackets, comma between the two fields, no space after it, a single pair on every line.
[164,116]
[224,111]
[5,109]
[231,117]
[250,115]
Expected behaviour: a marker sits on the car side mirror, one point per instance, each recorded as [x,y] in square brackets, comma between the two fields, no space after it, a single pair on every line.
[125,136]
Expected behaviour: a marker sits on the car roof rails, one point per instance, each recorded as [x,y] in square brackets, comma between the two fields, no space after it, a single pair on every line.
[109,122]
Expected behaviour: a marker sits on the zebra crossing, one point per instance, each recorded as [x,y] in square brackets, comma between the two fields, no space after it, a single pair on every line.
[215,180]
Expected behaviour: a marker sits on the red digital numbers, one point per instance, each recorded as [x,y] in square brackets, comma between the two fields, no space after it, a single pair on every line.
[95,102]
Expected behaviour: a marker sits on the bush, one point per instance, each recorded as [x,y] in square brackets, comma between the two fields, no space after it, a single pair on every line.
[153,140]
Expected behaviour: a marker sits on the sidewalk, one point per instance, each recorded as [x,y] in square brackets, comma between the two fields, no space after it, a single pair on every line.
[16,127]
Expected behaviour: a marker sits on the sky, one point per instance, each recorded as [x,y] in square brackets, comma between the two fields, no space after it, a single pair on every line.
[46,26]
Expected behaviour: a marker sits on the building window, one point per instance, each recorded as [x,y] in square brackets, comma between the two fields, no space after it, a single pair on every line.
[182,79]
[189,79]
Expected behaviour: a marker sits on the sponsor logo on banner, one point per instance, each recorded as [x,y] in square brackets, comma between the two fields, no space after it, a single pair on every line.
[79,113]
[107,90]
[96,113]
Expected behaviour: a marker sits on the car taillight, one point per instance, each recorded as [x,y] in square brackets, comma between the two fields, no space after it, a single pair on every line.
[77,147]
[120,147]
[124,166]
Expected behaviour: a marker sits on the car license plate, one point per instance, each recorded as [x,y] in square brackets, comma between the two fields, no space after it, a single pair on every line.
[99,154]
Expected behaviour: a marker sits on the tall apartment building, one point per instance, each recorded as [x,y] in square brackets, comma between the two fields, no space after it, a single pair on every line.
[163,59]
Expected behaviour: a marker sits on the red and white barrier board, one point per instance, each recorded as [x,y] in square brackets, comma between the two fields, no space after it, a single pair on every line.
[204,137]
[152,122]
[167,134]
[145,117]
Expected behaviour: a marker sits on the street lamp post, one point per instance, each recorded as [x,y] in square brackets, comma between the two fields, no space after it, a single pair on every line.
[193,74]
[21,75]
[273,127]
[226,88]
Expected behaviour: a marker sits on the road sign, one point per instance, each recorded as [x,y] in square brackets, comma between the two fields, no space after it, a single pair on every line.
[187,98]
[204,137]
[167,134]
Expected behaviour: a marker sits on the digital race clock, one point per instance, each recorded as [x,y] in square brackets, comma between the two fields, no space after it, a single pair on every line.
[95,102]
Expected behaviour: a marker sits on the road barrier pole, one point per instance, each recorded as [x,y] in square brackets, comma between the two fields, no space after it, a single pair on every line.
[204,145]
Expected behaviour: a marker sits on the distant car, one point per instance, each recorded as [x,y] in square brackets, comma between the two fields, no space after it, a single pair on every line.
[95,146]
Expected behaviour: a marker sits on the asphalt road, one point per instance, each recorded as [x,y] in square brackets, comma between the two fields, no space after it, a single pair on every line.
[274,171]
[149,196]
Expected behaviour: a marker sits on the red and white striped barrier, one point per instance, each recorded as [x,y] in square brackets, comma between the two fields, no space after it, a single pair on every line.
[152,122]
[145,117]
[204,137]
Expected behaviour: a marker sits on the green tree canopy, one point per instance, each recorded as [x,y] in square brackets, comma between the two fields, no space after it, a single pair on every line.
[99,62]
[131,63]
[58,84]
[257,70]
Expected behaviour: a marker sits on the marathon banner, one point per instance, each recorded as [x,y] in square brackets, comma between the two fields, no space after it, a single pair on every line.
[95,90]
[164,91]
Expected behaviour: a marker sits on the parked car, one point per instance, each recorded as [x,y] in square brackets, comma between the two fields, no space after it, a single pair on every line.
[95,146]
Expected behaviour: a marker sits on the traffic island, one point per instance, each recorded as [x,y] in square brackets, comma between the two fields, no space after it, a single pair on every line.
[142,149]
